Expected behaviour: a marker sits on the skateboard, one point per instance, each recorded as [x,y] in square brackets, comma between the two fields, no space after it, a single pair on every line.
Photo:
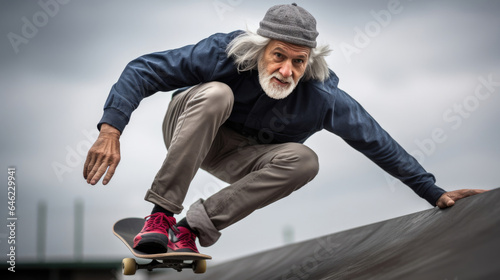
[127,229]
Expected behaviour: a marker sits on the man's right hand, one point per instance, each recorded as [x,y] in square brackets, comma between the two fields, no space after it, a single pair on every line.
[103,155]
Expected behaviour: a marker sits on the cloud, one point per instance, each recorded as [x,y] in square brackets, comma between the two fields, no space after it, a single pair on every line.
[424,62]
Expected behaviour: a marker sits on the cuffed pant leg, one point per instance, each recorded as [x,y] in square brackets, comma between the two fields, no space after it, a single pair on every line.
[199,220]
[191,123]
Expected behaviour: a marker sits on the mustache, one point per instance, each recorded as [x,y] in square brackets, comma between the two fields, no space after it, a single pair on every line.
[280,77]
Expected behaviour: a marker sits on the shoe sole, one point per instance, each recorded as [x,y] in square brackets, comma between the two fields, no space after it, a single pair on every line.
[153,244]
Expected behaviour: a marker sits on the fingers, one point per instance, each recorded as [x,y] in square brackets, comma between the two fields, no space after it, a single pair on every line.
[92,163]
[445,201]
[450,202]
[474,192]
[92,168]
[459,194]
[111,170]
[448,199]
[97,172]
[87,167]
[103,156]
[109,174]
[99,167]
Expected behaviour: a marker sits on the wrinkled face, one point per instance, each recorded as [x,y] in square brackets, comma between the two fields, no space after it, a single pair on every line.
[281,66]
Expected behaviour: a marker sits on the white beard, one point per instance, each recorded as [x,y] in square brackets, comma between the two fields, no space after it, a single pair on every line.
[272,89]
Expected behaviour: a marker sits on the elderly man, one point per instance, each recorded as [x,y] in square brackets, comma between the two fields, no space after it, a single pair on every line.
[245,103]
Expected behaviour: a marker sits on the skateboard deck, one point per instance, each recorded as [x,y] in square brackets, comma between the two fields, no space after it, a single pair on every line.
[126,229]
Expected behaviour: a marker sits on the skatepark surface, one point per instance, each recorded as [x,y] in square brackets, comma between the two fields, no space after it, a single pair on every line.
[461,242]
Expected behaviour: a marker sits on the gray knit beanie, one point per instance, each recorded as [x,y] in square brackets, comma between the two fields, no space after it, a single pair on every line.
[289,23]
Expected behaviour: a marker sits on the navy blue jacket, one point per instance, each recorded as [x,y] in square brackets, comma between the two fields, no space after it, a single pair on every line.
[311,107]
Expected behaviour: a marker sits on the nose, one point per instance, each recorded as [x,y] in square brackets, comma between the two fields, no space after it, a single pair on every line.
[286,69]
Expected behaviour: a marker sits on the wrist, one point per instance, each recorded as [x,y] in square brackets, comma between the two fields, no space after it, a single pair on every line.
[109,130]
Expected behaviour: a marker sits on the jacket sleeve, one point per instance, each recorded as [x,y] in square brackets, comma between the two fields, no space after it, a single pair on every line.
[349,120]
[162,71]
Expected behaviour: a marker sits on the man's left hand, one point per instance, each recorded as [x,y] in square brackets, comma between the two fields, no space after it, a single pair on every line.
[449,198]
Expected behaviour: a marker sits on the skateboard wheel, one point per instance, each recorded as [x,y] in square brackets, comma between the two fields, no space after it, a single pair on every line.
[129,266]
[199,266]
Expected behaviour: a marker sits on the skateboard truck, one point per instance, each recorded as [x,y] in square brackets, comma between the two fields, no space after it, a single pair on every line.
[130,266]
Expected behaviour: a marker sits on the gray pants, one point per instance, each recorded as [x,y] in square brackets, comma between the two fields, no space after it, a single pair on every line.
[258,174]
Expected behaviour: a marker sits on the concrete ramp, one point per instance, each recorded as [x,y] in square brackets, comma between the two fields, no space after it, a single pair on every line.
[458,243]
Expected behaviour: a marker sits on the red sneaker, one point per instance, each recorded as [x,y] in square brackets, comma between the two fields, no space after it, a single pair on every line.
[182,240]
[153,237]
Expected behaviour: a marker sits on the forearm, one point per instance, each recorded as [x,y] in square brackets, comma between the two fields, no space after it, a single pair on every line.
[393,159]
[140,78]
[363,133]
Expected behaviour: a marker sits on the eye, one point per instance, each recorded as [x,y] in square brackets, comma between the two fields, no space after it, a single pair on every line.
[298,61]
[278,56]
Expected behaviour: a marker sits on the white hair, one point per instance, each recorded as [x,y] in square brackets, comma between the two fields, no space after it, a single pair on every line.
[247,48]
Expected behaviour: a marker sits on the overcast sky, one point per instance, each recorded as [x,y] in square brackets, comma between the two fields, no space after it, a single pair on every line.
[428,71]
